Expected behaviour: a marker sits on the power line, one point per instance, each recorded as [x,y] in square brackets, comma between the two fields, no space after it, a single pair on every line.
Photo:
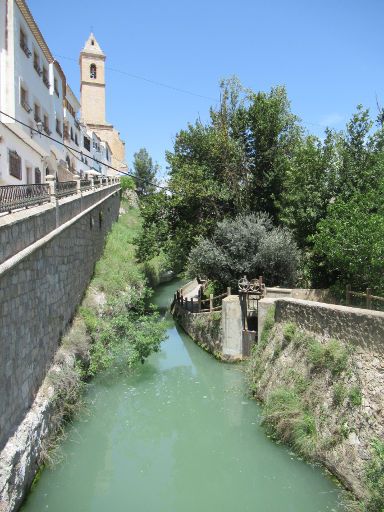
[81,153]
[149,80]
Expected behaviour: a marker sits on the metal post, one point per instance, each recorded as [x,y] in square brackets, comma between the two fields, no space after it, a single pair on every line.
[210,302]
[229,291]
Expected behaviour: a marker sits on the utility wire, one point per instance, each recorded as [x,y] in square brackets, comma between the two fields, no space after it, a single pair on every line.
[81,153]
[150,81]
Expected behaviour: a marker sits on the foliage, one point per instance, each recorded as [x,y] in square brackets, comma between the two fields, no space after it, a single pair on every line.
[144,172]
[247,245]
[340,393]
[127,183]
[123,329]
[375,478]
[349,242]
[269,322]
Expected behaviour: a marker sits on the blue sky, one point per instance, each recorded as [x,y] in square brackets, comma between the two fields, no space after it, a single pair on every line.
[329,55]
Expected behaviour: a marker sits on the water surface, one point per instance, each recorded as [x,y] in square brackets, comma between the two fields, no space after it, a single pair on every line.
[177,435]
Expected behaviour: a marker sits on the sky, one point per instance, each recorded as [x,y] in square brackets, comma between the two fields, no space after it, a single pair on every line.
[328,53]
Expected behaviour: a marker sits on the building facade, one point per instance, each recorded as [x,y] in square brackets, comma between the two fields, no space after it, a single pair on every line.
[40,130]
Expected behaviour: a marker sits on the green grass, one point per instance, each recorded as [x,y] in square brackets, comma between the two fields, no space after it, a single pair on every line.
[286,418]
[355,397]
[331,356]
[268,326]
[340,393]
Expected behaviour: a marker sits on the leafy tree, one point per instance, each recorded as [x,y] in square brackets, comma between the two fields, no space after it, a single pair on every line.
[145,172]
[349,242]
[248,244]
[127,183]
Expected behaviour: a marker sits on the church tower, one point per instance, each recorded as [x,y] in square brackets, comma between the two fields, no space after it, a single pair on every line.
[92,93]
[92,85]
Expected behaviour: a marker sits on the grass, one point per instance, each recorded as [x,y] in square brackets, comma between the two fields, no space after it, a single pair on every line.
[268,326]
[331,356]
[355,397]
[286,418]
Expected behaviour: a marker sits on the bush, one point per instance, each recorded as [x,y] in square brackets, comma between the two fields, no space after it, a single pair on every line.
[127,183]
[355,397]
[246,245]
[375,478]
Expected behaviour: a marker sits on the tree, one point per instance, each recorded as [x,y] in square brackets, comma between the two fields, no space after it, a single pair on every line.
[248,244]
[144,172]
[349,242]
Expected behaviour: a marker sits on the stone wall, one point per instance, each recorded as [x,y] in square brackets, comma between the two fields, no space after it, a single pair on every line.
[352,325]
[346,426]
[204,328]
[40,289]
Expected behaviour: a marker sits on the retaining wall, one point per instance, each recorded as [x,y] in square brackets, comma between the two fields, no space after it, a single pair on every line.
[40,288]
[352,325]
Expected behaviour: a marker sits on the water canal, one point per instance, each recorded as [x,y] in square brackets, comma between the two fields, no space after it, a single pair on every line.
[177,435]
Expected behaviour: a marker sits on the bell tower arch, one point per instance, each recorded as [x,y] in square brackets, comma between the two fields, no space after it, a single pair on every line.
[92,84]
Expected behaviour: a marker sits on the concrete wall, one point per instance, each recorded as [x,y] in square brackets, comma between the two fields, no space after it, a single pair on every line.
[352,325]
[40,288]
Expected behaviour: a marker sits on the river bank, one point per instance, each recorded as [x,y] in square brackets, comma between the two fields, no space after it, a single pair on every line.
[179,433]
[111,324]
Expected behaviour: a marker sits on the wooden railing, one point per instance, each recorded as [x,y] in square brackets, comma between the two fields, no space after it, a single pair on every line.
[367,297]
[198,304]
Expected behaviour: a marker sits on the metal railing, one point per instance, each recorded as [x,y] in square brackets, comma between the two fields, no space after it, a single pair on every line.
[13,197]
[65,188]
[85,184]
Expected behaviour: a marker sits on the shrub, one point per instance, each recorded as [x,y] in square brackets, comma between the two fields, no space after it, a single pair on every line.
[246,245]
[127,183]
[268,326]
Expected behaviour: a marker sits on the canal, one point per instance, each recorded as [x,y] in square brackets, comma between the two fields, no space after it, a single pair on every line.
[179,434]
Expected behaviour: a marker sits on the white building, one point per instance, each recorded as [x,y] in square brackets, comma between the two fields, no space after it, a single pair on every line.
[33,90]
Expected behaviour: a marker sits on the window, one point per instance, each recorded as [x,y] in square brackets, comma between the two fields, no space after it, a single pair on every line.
[37,175]
[66,131]
[58,127]
[92,42]
[23,43]
[92,71]
[46,125]
[76,140]
[45,77]
[36,109]
[56,86]
[36,62]
[87,143]
[24,99]
[72,138]
[15,165]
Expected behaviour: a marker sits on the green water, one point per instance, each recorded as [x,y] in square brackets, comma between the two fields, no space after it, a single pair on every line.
[178,435]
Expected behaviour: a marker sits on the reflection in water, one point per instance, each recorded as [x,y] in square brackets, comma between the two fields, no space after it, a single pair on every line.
[179,434]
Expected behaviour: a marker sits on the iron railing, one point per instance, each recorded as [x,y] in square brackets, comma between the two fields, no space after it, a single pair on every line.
[13,197]
[85,184]
[65,188]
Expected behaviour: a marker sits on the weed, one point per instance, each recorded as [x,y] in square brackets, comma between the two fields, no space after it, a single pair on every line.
[289,331]
[331,356]
[355,397]
[374,477]
[339,394]
[268,326]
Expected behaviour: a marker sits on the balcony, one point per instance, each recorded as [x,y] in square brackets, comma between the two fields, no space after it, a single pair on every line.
[26,107]
[25,49]
[38,69]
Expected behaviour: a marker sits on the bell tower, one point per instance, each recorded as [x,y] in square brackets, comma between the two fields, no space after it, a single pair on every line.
[92,85]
